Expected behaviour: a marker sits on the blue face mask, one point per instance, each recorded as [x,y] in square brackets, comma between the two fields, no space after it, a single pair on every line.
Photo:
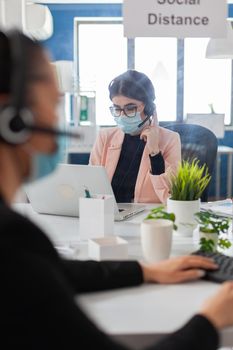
[44,164]
[130,125]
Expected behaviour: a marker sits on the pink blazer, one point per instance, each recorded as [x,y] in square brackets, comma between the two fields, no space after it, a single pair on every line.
[149,188]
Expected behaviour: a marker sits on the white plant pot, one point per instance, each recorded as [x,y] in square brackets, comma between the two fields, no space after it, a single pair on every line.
[208,236]
[184,212]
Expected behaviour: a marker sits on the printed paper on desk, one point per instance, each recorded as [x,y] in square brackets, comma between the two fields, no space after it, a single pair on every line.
[221,208]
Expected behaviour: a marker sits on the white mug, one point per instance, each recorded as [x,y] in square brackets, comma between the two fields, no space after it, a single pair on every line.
[156,239]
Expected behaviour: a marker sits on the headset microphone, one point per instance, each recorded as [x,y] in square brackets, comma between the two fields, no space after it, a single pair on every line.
[144,121]
[16,130]
[52,131]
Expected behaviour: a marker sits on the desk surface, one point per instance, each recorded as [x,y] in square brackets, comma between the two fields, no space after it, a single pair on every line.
[64,230]
[147,309]
[135,315]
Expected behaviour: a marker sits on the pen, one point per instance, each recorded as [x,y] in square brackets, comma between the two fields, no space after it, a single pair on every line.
[87,192]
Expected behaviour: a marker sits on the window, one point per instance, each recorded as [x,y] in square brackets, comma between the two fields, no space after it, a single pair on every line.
[157,58]
[206,81]
[99,61]
[102,52]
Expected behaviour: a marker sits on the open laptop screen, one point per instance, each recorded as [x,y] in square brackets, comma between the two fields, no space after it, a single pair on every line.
[59,193]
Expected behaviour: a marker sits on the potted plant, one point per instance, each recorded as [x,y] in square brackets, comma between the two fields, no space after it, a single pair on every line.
[161,213]
[186,188]
[156,234]
[212,229]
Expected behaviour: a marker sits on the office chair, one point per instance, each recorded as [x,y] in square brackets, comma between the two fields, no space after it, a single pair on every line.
[197,142]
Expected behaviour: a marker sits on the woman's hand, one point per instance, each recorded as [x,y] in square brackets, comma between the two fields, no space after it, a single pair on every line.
[151,136]
[219,308]
[177,270]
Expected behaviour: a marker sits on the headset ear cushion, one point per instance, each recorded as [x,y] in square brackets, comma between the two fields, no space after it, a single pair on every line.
[13,128]
[149,110]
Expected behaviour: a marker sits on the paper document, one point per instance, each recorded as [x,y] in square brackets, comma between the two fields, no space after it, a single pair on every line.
[221,208]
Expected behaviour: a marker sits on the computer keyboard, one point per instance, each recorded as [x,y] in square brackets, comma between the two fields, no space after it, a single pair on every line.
[225,269]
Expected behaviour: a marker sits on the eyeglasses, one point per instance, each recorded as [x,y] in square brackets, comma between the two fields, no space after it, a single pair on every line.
[129,111]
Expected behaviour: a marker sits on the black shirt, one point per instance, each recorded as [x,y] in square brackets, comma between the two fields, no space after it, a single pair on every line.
[38,289]
[125,176]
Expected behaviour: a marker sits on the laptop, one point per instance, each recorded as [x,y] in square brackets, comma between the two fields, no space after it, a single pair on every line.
[59,193]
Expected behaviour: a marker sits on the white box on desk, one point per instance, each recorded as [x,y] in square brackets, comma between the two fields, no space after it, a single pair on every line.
[108,248]
[96,216]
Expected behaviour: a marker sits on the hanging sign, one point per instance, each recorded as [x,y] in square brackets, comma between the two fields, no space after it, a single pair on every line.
[175,18]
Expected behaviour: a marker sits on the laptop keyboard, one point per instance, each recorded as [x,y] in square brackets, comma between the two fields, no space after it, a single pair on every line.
[225,269]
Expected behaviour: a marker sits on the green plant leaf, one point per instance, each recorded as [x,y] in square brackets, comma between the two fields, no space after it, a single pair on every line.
[190,181]
[160,213]
[212,223]
[224,243]
[206,245]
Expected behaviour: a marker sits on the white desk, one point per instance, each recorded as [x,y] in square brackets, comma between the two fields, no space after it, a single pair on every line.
[65,231]
[136,316]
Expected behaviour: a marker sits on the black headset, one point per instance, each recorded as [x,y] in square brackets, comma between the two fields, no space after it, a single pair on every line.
[149,109]
[16,119]
[148,112]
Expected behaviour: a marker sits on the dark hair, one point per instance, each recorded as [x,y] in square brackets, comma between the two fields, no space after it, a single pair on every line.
[136,85]
[31,50]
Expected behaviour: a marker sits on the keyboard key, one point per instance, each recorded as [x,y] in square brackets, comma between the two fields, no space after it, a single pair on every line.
[225,269]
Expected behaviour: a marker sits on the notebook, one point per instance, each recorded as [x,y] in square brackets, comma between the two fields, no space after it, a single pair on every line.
[59,193]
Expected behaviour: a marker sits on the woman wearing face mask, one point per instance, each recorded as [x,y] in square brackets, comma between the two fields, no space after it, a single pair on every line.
[38,287]
[138,154]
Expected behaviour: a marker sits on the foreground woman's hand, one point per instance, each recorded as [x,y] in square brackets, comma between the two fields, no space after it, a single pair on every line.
[175,270]
[219,308]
